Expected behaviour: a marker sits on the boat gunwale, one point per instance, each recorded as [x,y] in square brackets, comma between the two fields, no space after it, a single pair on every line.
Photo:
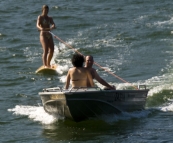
[101,91]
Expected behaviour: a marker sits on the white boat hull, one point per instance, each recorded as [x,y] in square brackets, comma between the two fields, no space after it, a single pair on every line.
[82,104]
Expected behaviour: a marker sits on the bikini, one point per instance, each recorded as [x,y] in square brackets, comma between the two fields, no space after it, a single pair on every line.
[77,79]
[45,22]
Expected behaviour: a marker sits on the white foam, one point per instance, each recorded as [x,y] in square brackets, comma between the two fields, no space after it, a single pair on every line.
[36,113]
[61,69]
[164,22]
[159,83]
[62,79]
[159,88]
[167,108]
[127,116]
[56,52]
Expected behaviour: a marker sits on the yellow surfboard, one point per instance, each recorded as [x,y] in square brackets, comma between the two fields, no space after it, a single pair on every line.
[46,70]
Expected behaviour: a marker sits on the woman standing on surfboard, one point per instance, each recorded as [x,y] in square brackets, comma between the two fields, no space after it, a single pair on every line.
[44,25]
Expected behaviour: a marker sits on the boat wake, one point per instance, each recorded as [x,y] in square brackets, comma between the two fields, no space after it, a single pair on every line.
[36,113]
[167,107]
[127,116]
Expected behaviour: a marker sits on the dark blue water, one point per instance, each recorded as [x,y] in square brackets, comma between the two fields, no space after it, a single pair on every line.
[131,38]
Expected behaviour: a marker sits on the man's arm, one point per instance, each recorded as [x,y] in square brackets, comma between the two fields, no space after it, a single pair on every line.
[90,82]
[100,80]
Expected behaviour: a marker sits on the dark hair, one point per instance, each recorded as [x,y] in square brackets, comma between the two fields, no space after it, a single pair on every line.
[77,60]
[45,7]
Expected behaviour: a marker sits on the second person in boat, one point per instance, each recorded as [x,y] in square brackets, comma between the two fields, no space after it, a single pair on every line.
[89,60]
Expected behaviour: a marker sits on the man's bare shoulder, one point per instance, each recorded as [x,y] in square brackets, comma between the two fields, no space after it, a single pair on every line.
[95,74]
[90,69]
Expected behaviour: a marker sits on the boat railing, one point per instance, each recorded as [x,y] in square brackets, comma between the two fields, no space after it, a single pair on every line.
[142,87]
[77,89]
[54,89]
[73,89]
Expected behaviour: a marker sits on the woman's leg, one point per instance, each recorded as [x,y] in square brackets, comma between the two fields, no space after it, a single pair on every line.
[44,44]
[51,51]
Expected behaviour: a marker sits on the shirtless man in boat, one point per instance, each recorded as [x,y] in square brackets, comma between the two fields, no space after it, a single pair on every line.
[78,75]
[89,60]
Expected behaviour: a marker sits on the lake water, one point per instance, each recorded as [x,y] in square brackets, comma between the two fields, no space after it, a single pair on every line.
[130,38]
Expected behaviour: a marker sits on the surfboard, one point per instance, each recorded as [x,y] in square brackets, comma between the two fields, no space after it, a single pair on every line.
[47,70]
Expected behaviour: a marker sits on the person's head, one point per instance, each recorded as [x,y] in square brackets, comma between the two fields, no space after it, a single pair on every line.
[77,60]
[45,9]
[89,60]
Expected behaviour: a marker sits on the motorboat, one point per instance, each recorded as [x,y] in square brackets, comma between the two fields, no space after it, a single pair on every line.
[83,103]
